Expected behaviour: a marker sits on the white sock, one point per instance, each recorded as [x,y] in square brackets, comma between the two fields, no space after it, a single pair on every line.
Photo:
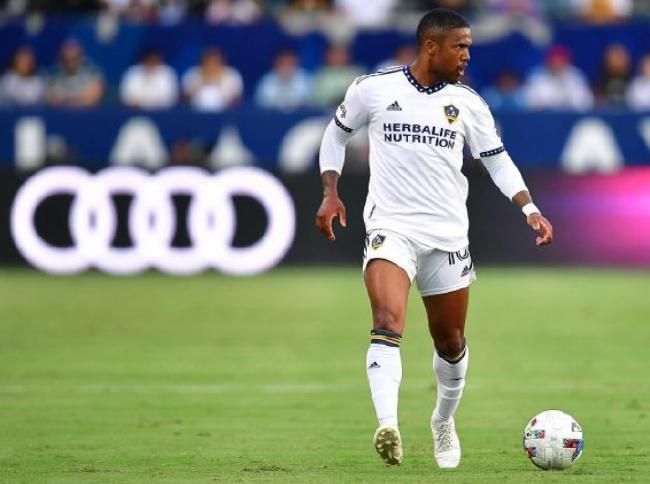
[384,367]
[451,381]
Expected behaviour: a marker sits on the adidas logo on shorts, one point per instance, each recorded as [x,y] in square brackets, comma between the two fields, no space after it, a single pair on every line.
[467,269]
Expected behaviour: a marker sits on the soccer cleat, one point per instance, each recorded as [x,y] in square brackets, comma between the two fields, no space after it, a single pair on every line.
[446,446]
[388,444]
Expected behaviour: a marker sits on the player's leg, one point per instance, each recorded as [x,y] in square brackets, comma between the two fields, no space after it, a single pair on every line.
[389,265]
[388,286]
[446,315]
[443,281]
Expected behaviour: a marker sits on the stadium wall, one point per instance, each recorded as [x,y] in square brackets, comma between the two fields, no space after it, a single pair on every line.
[600,140]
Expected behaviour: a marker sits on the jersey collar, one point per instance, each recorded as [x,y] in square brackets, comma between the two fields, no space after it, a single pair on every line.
[427,89]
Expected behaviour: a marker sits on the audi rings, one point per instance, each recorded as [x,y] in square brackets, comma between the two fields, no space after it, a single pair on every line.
[211,223]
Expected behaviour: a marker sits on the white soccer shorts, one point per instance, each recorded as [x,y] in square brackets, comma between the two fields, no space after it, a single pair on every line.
[435,271]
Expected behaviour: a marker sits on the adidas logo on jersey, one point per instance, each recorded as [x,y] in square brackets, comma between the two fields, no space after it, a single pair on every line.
[374,364]
[394,107]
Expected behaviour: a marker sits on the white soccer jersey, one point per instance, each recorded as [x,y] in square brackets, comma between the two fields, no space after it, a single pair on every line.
[416,136]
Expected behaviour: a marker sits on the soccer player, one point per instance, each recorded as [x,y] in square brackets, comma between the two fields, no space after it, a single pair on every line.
[419,117]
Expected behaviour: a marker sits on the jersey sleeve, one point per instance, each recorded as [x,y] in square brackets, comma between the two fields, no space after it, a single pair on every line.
[351,114]
[481,131]
[485,143]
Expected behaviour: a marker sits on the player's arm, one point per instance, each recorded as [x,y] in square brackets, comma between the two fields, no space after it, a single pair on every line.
[534,218]
[331,206]
[486,144]
[349,116]
[507,177]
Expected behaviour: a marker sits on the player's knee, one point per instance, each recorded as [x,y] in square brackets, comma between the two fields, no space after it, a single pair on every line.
[449,347]
[387,320]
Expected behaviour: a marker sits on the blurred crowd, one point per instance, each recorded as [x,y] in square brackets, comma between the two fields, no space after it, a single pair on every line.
[559,84]
[214,85]
[381,12]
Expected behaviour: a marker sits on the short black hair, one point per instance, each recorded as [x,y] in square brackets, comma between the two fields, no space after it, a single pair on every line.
[439,20]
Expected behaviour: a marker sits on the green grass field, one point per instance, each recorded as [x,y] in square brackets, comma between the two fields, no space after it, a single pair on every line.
[156,379]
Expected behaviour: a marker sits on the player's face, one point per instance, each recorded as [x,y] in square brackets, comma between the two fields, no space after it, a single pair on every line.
[450,54]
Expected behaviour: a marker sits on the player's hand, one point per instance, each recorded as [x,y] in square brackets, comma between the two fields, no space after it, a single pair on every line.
[330,208]
[543,228]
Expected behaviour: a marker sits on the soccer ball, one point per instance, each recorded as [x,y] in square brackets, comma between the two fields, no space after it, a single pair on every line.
[553,440]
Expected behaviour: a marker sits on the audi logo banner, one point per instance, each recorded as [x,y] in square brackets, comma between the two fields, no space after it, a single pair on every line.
[152,220]
[243,221]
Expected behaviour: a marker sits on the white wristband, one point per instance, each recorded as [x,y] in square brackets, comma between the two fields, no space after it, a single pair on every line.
[530,208]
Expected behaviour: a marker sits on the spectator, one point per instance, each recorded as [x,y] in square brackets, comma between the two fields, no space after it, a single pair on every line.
[116,7]
[232,11]
[171,11]
[76,82]
[150,84]
[558,9]
[308,6]
[604,11]
[403,55]
[515,8]
[286,87]
[332,80]
[638,94]
[614,77]
[21,85]
[364,15]
[558,84]
[213,85]
[506,94]
[134,10]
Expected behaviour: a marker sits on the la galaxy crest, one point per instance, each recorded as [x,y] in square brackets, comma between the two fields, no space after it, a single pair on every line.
[377,241]
[451,112]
